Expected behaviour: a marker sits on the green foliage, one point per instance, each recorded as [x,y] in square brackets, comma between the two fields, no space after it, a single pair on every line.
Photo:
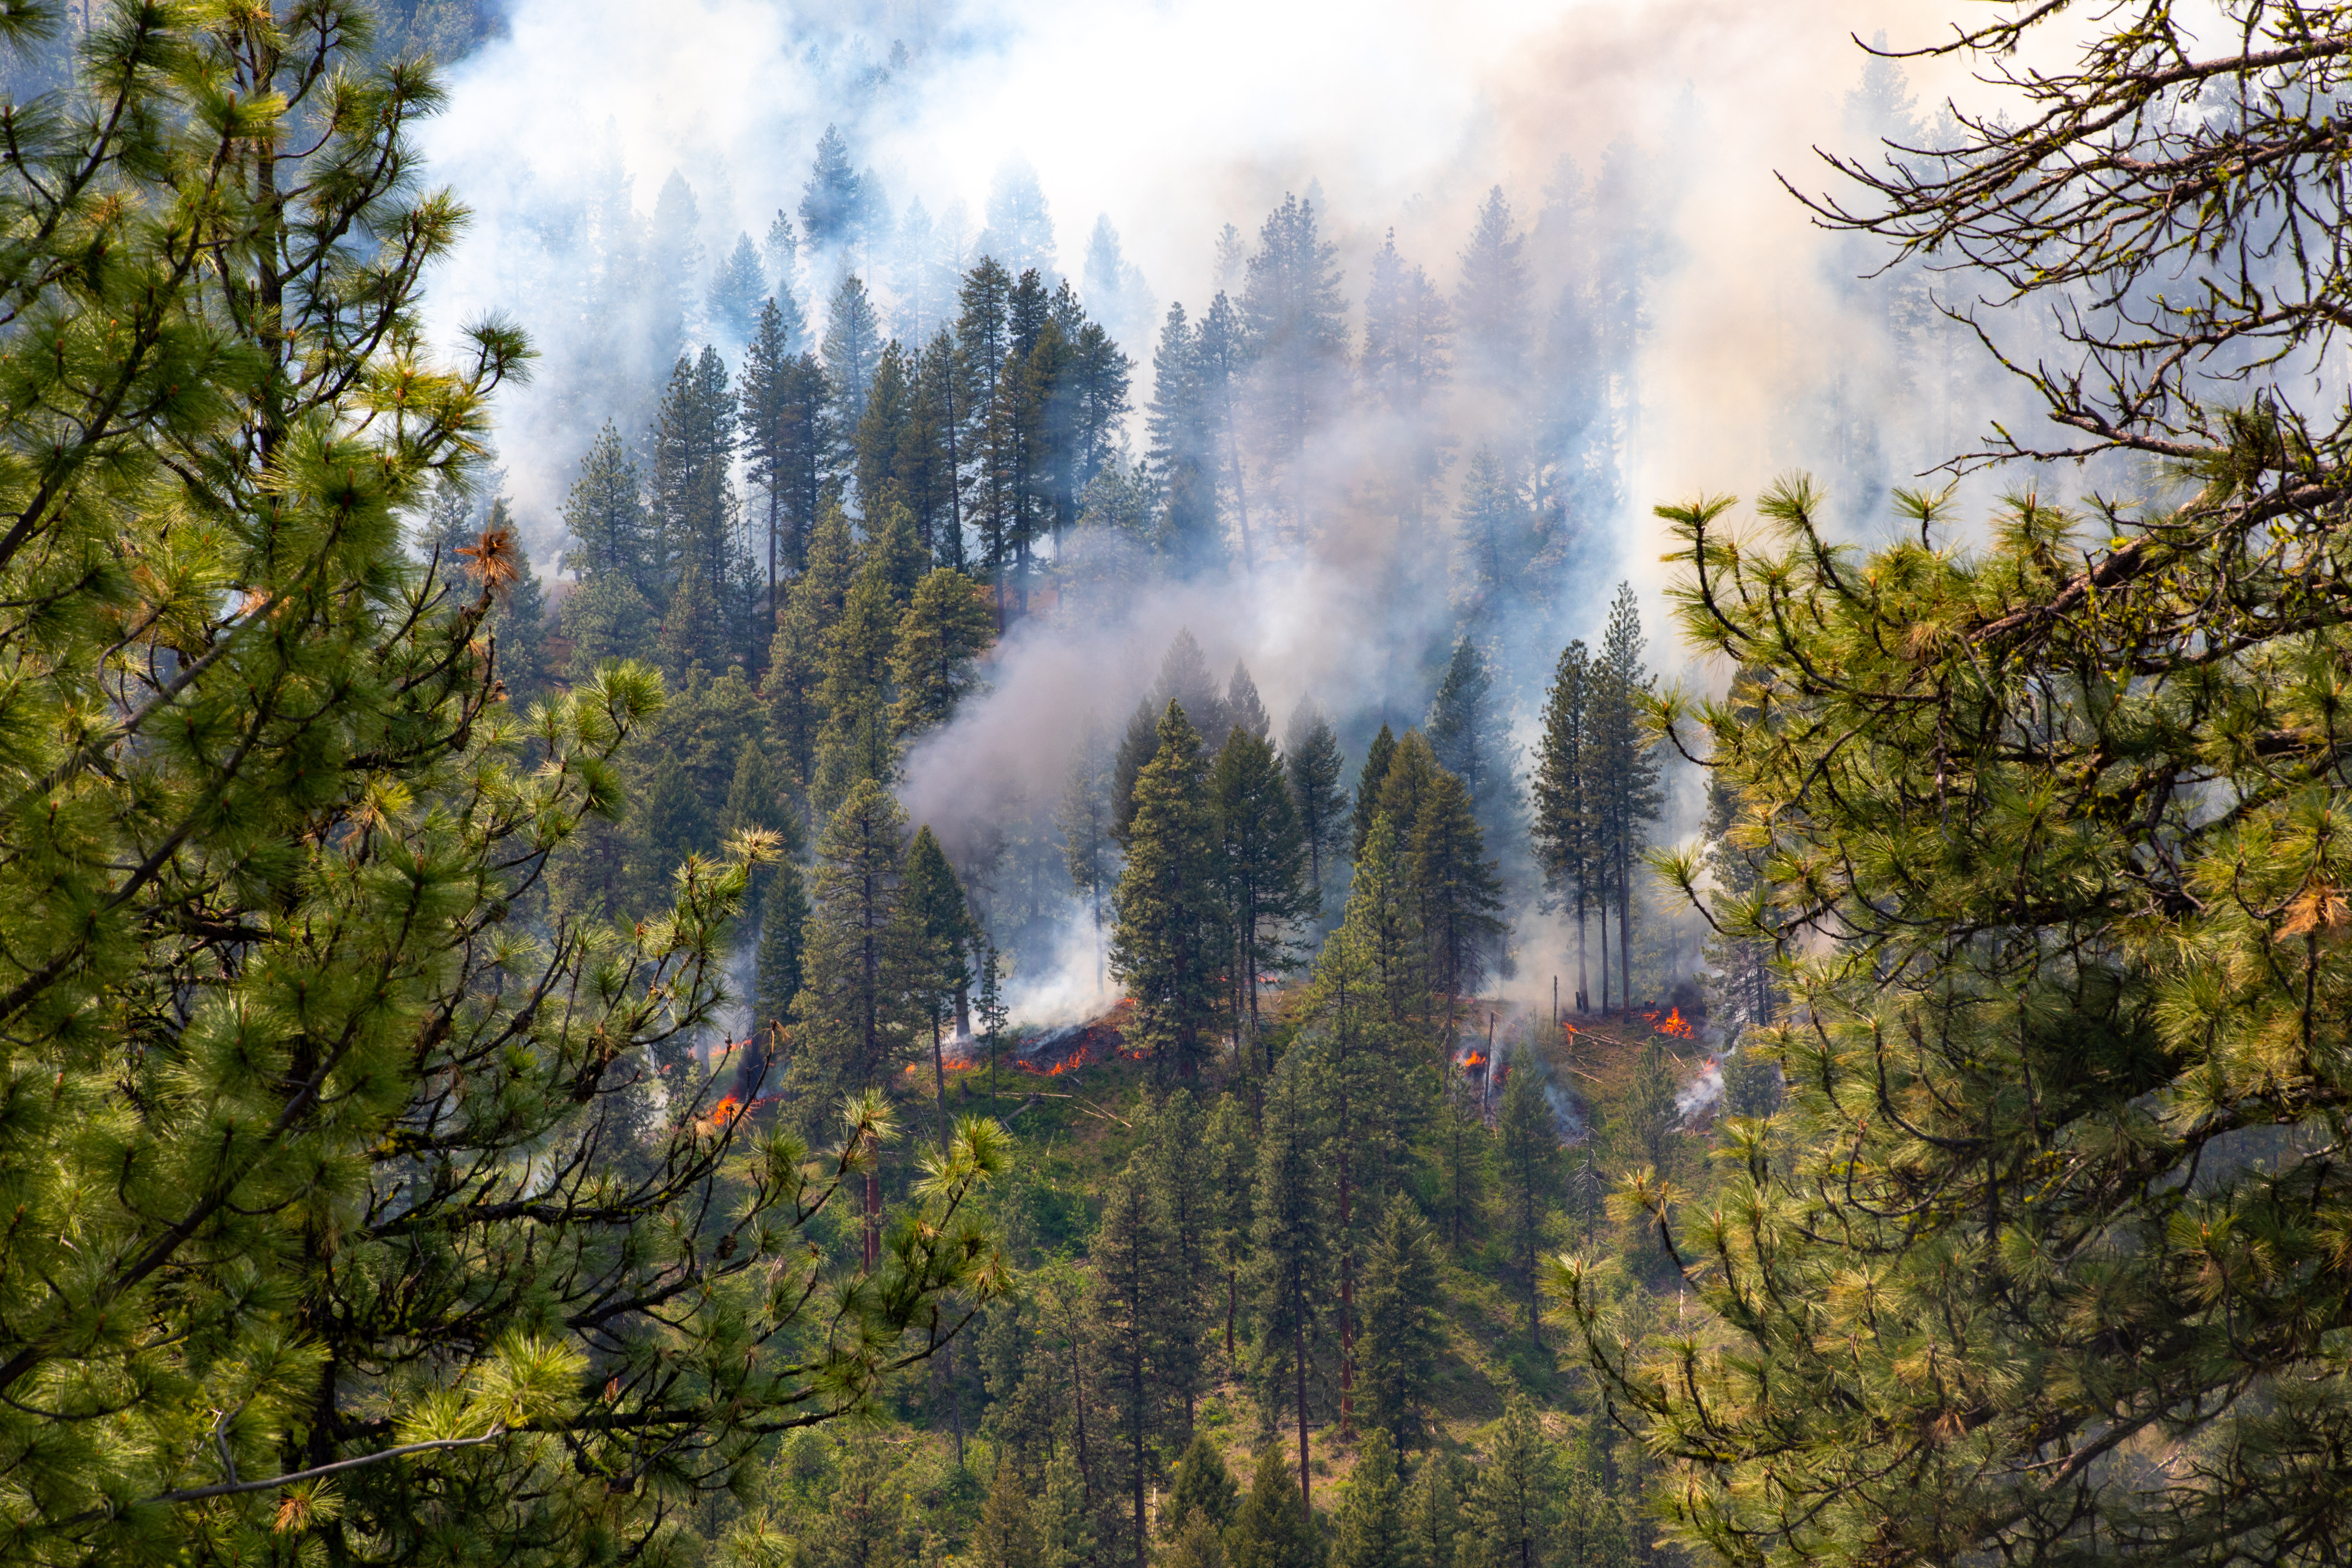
[1271,1528]
[1169,943]
[1397,1351]
[1512,1511]
[1313,766]
[1373,1528]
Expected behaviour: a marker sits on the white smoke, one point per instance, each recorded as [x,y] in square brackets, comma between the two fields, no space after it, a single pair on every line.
[1698,1098]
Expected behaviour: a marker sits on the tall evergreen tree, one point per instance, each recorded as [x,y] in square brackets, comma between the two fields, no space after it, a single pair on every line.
[1463,728]
[1181,451]
[881,431]
[1626,798]
[605,517]
[736,286]
[941,637]
[1490,302]
[1378,757]
[855,743]
[1167,945]
[941,937]
[1402,1334]
[273,953]
[1404,365]
[1224,362]
[1373,1530]
[1298,340]
[853,353]
[1510,1512]
[1314,767]
[853,1008]
[1138,1303]
[1457,889]
[929,465]
[1272,1527]
[1138,745]
[1527,1168]
[1291,1251]
[1260,861]
[1181,1173]
[1432,1512]
[1084,817]
[1565,827]
[1233,1173]
[830,199]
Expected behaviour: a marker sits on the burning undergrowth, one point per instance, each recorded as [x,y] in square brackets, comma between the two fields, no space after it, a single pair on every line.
[1055,1051]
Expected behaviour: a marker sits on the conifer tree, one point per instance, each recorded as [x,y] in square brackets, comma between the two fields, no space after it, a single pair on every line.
[1203,1489]
[1184,679]
[1526,1170]
[691,500]
[854,744]
[735,289]
[1243,710]
[1404,365]
[1298,340]
[1456,889]
[1375,773]
[1181,1174]
[1463,1146]
[928,467]
[1223,361]
[1432,1513]
[1463,731]
[604,516]
[1314,768]
[784,917]
[1493,539]
[1065,1529]
[1398,1350]
[606,620]
[1233,1174]
[276,955]
[1372,1529]
[1272,1527]
[1490,304]
[1181,453]
[1259,861]
[1508,1516]
[1084,817]
[851,351]
[1138,1303]
[1565,823]
[1168,943]
[940,935]
[1625,794]
[829,200]
[1291,1250]
[1008,1536]
[797,659]
[785,436]
[1138,745]
[858,969]
[936,652]
[864,1522]
[881,431]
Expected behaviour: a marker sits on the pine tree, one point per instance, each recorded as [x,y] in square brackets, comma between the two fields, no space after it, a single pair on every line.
[1008,1536]
[1233,1157]
[1624,774]
[1260,860]
[1244,708]
[1463,731]
[1526,1170]
[1432,1513]
[830,199]
[1271,1528]
[1406,787]
[735,291]
[939,938]
[1456,889]
[854,744]
[1490,303]
[936,651]
[1184,680]
[1377,760]
[928,471]
[778,975]
[1404,365]
[1202,1489]
[272,954]
[864,1523]
[851,353]
[1138,745]
[606,620]
[785,435]
[1181,1174]
[1564,827]
[1181,453]
[881,430]
[1084,817]
[857,970]
[1373,1528]
[1402,1335]
[1508,1517]
[691,500]
[1463,1147]
[1291,1251]
[1314,767]
[793,684]
[1495,538]
[1223,362]
[1065,1530]
[604,516]
[1298,340]
[1138,1303]
[1168,943]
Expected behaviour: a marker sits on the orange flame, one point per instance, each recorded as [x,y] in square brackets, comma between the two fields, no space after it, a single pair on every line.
[1475,1059]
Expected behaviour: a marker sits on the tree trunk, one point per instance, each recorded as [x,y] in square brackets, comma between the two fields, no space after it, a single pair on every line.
[1626,931]
[1298,1370]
